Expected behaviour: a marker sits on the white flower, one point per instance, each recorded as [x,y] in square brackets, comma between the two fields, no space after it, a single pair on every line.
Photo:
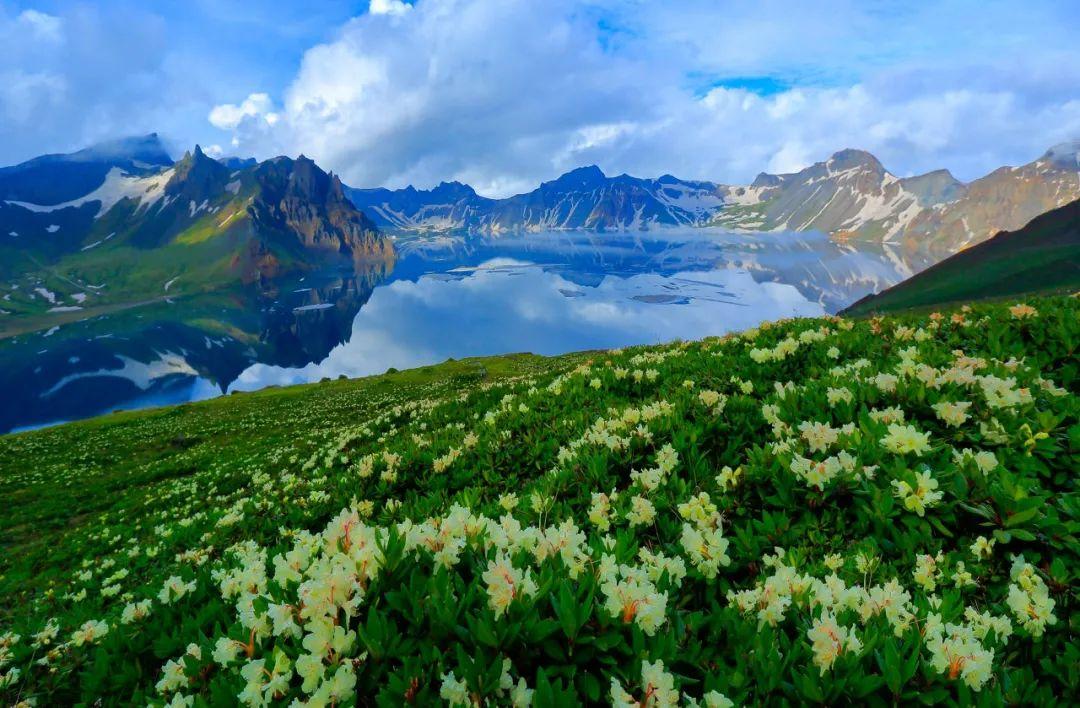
[453,691]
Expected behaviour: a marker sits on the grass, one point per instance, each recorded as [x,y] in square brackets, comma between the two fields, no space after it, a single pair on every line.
[127,453]
[815,511]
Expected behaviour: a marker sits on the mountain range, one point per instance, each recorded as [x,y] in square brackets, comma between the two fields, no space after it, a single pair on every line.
[584,198]
[850,196]
[121,223]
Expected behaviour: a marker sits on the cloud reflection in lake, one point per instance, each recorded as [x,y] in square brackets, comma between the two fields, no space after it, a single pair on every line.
[508,305]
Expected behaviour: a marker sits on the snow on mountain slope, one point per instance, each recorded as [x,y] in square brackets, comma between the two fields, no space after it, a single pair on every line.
[118,185]
[584,198]
[852,197]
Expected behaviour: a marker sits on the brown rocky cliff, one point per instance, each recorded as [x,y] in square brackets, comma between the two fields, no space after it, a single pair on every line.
[299,200]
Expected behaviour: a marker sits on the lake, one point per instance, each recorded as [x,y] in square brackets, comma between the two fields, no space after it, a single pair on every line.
[445,297]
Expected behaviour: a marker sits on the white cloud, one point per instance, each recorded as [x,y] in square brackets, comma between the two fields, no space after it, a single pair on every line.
[92,71]
[503,95]
[229,116]
[388,7]
[25,94]
[41,25]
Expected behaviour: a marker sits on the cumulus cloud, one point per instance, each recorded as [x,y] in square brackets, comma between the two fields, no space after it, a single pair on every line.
[505,94]
[228,116]
[84,72]
[84,75]
[502,95]
[388,7]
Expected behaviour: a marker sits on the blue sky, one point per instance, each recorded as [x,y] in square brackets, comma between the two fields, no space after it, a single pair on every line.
[504,94]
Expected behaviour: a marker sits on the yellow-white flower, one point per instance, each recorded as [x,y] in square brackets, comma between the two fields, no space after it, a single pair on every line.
[454,691]
[641,511]
[657,689]
[903,439]
[90,632]
[818,436]
[952,414]
[920,497]
[829,639]
[706,548]
[983,547]
[728,478]
[505,583]
[1029,599]
[927,571]
[956,652]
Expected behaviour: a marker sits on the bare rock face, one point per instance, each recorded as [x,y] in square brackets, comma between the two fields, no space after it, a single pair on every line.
[1004,200]
[306,207]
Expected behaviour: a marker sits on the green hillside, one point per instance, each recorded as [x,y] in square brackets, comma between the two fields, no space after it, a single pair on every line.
[192,228]
[1041,257]
[871,512]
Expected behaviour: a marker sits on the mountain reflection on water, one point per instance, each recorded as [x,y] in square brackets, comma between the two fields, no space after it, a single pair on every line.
[446,297]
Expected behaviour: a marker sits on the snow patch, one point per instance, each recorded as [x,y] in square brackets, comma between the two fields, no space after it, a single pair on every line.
[118,185]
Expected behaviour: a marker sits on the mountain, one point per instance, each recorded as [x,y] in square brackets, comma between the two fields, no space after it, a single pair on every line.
[584,198]
[1004,200]
[52,179]
[450,205]
[238,163]
[850,196]
[853,197]
[1044,255]
[849,192]
[146,231]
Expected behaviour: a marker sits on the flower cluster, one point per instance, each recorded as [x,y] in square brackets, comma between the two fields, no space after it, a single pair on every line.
[604,525]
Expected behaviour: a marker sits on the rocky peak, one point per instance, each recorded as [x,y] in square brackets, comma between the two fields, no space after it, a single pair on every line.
[934,187]
[197,176]
[453,191]
[850,158]
[298,200]
[588,177]
[764,179]
[307,181]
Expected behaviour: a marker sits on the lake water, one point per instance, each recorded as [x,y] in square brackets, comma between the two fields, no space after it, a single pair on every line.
[445,297]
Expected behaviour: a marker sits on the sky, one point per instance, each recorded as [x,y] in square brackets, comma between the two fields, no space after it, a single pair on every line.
[504,94]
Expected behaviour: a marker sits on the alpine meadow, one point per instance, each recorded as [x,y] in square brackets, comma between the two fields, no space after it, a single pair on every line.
[831,510]
[539,354]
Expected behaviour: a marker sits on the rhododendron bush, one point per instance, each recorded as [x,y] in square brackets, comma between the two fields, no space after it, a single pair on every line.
[814,511]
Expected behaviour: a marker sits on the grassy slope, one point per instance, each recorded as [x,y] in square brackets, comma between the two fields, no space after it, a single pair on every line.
[130,276]
[1042,256]
[55,480]
[79,496]
[204,256]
